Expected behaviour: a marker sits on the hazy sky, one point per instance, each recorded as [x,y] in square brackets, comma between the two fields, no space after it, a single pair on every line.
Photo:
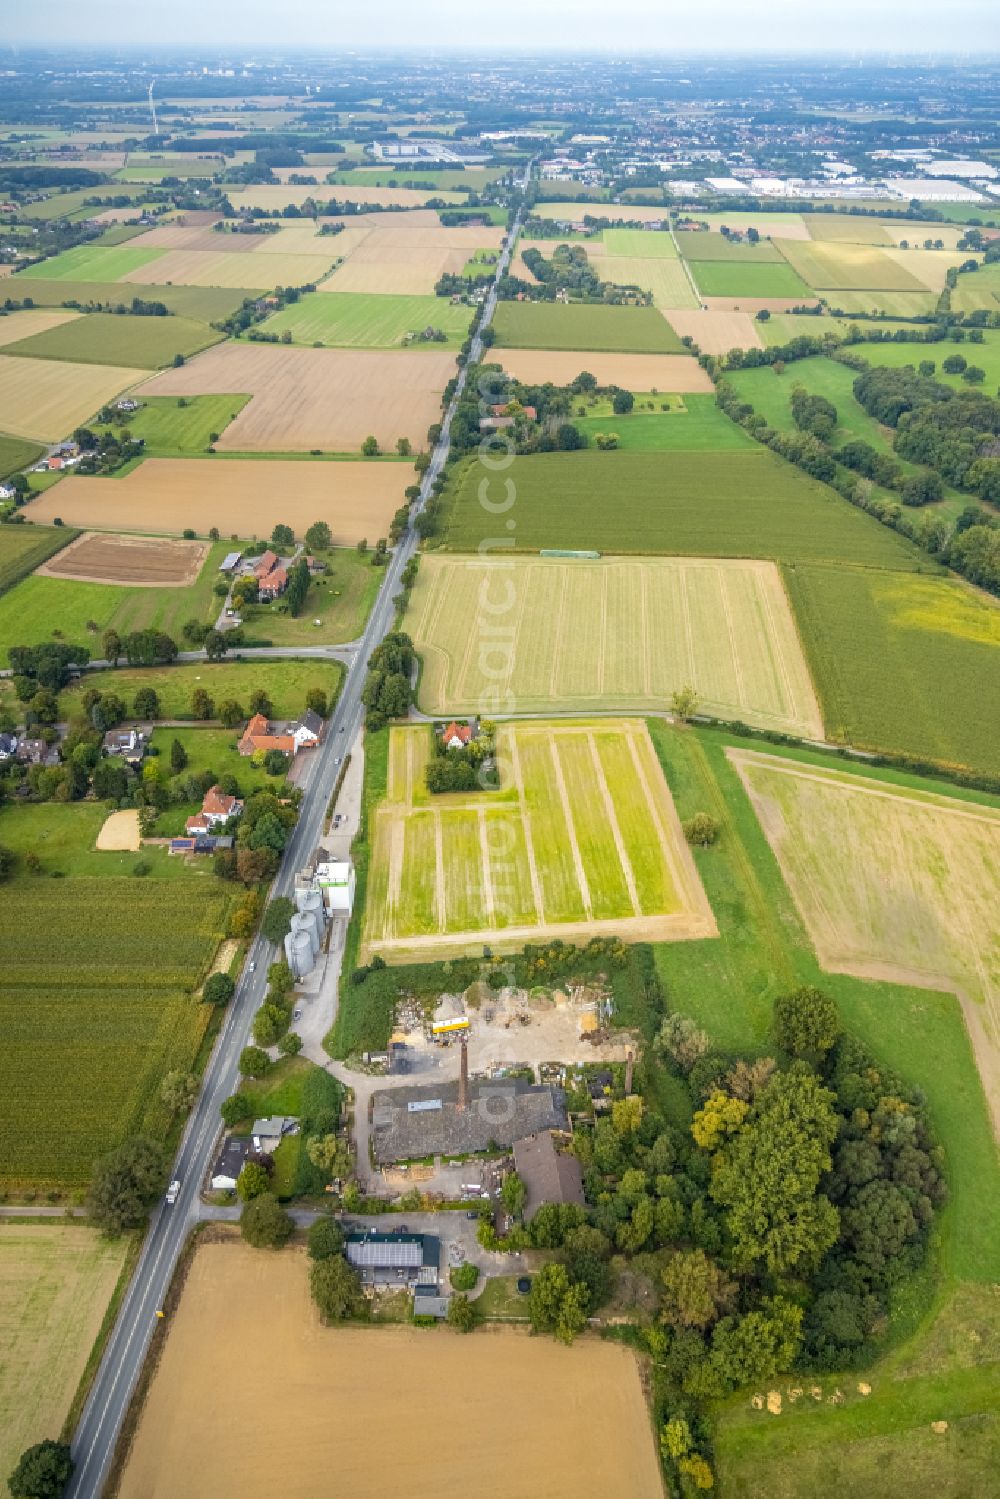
[627,26]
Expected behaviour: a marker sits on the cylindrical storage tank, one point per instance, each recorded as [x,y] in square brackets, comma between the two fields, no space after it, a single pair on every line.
[301,926]
[299,953]
[307,901]
[315,920]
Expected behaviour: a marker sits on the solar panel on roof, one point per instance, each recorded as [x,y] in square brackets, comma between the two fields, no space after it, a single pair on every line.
[392,1254]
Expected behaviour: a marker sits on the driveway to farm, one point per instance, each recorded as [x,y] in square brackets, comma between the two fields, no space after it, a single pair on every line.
[106,1406]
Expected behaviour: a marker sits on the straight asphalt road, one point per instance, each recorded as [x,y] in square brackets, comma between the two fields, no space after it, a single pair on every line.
[107,1403]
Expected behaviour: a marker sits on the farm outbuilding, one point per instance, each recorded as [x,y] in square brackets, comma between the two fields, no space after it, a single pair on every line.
[395,1259]
[550,1175]
[431,1120]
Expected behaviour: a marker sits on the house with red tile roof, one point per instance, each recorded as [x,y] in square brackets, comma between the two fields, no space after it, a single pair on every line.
[259,735]
[456,735]
[216,808]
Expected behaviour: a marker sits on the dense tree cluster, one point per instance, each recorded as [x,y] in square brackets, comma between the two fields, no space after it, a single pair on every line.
[388,690]
[465,768]
[775,1227]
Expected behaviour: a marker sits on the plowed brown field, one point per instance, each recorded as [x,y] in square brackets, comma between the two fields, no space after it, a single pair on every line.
[135,561]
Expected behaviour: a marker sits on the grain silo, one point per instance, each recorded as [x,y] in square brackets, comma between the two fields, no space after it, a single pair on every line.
[299,953]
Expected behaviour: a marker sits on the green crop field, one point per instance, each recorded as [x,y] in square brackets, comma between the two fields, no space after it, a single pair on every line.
[285,682]
[697,426]
[890,304]
[73,203]
[977,290]
[619,633]
[61,608]
[97,1001]
[17,453]
[642,244]
[949,1318]
[178,426]
[986,355]
[782,327]
[206,304]
[837,265]
[695,244]
[727,278]
[106,338]
[900,662]
[92,263]
[23,548]
[473,178]
[740,504]
[551,325]
[580,839]
[665,279]
[770,395]
[352,321]
[181,165]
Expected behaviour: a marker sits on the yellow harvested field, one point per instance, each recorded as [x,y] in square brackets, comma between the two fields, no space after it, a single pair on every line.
[56,1280]
[929,266]
[329,399]
[292,239]
[400,235]
[132,561]
[194,237]
[893,884]
[47,398]
[715,332]
[231,268]
[242,496]
[574,212]
[449,1409]
[667,279]
[757,304]
[269,195]
[17,325]
[768,225]
[674,372]
[389,270]
[580,839]
[619,633]
[915,234]
[119,832]
[390,218]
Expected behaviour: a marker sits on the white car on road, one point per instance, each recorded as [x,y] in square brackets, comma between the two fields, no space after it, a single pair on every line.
[173,1191]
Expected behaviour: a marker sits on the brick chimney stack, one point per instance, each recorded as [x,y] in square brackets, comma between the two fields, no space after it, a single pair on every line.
[463,1077]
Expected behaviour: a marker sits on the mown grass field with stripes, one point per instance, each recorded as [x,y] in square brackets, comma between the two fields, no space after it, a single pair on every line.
[618,633]
[581,839]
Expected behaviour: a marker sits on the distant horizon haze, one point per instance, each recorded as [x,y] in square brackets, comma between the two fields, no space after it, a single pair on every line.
[640,28]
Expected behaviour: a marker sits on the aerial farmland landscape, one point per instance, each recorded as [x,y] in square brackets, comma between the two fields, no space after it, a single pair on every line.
[499,752]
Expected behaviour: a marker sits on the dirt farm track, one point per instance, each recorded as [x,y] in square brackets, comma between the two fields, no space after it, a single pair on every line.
[243,497]
[372,1411]
[328,399]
